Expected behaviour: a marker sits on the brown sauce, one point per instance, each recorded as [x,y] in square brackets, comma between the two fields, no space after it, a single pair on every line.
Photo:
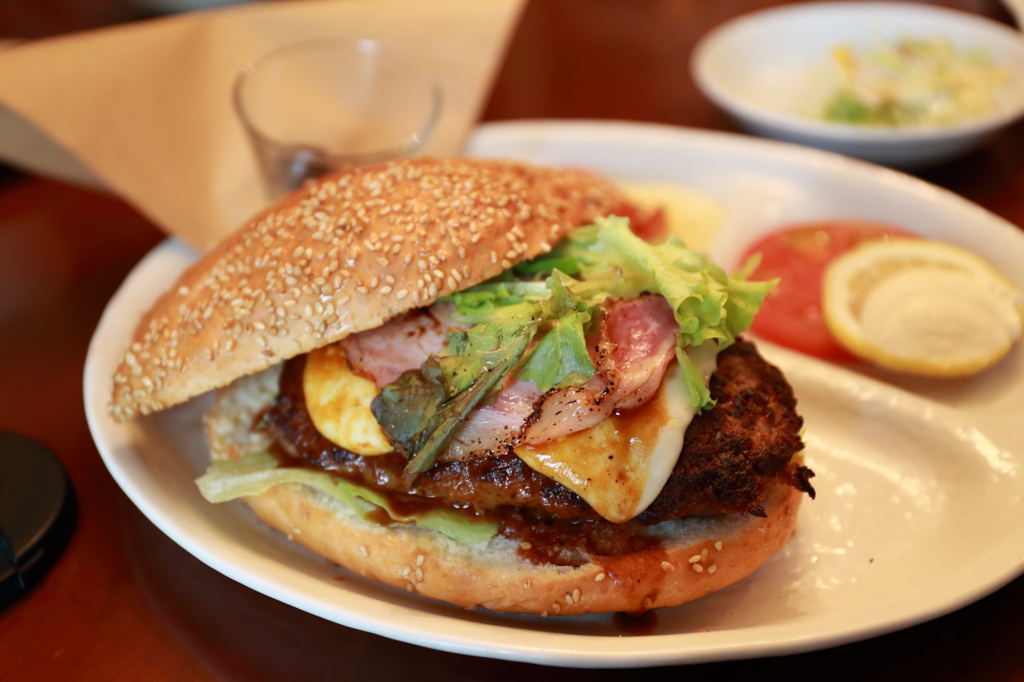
[571,542]
[641,623]
[651,565]
[380,516]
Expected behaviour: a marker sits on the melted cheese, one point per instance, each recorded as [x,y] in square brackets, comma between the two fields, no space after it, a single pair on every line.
[338,401]
[620,465]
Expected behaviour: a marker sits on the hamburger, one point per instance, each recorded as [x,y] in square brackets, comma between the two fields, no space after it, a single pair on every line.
[477,381]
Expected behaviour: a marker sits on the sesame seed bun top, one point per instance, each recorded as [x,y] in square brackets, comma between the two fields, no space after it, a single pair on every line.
[344,254]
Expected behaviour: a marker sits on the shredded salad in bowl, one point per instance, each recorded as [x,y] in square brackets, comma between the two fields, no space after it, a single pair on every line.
[914,82]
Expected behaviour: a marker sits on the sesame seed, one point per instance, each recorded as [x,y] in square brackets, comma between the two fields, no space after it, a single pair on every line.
[712,568]
[419,574]
[718,545]
[525,545]
[695,558]
[576,595]
[667,567]
[527,584]
[704,554]
[363,550]
[599,577]
[698,568]
[647,602]
[420,559]
[568,598]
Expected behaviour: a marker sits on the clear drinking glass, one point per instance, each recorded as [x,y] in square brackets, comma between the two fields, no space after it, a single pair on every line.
[318,106]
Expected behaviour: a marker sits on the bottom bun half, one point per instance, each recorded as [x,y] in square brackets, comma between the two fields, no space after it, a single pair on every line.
[696,556]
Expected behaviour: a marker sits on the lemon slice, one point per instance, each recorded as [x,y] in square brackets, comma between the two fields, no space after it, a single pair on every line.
[922,307]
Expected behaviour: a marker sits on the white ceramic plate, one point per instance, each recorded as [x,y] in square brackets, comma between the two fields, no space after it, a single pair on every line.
[921,502]
[769,70]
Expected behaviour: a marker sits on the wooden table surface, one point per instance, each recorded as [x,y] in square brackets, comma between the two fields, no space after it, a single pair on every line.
[126,603]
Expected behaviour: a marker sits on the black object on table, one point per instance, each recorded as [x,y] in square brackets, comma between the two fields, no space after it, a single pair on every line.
[37,514]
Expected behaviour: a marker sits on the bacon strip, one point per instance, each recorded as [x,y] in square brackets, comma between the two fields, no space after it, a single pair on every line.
[636,343]
[401,344]
[632,349]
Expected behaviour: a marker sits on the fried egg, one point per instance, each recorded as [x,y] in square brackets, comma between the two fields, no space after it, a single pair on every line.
[338,401]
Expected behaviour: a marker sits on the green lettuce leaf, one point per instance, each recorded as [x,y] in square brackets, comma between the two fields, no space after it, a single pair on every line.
[708,303]
[561,359]
[257,473]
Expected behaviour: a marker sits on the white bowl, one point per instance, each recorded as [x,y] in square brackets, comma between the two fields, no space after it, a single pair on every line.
[761,69]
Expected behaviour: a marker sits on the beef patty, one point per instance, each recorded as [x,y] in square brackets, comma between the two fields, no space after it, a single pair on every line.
[731,456]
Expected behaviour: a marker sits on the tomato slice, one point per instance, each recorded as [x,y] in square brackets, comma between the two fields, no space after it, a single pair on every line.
[798,255]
